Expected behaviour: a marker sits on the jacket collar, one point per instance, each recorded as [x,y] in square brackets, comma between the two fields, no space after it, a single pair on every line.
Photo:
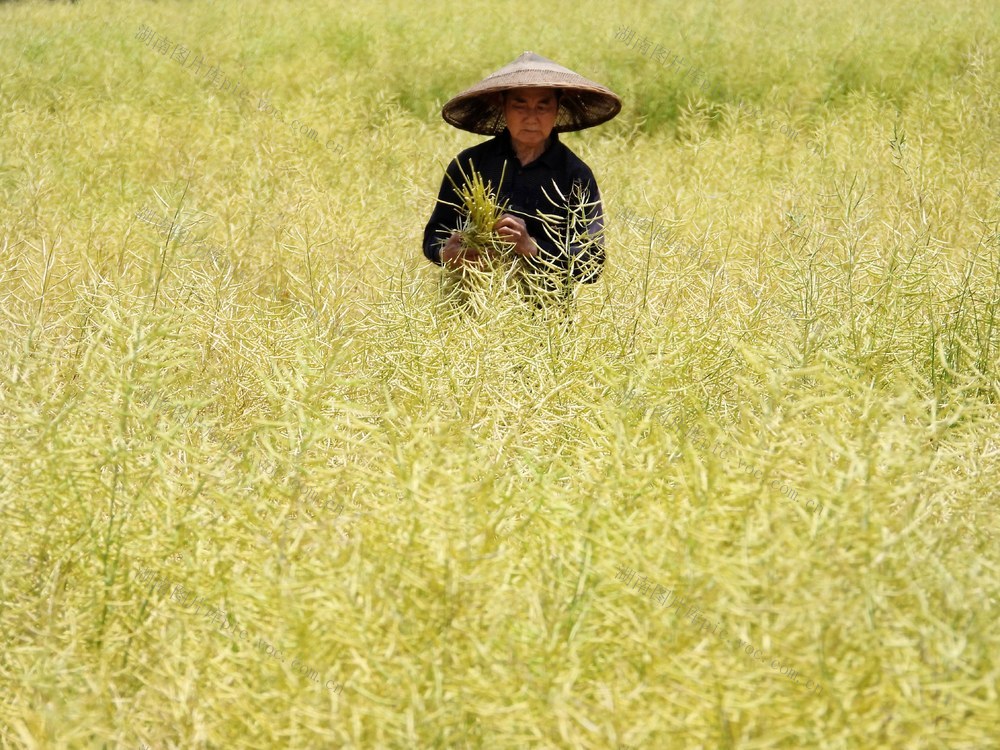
[551,157]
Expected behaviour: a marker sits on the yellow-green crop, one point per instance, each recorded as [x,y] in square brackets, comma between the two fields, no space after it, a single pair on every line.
[481,209]
[263,492]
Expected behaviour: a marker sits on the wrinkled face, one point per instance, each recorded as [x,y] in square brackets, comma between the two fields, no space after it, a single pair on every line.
[531,114]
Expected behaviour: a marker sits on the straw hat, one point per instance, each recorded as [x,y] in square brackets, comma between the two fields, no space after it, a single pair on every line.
[583,104]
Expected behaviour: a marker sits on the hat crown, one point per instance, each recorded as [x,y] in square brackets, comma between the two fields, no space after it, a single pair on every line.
[529,67]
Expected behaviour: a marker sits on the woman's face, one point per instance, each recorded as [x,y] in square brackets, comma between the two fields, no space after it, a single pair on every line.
[531,115]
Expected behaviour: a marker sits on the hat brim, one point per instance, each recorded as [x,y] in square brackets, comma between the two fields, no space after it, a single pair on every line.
[583,104]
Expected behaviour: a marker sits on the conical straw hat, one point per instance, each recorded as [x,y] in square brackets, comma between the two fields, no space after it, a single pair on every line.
[583,104]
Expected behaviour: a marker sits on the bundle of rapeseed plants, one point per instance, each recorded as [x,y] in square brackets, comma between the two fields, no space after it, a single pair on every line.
[471,286]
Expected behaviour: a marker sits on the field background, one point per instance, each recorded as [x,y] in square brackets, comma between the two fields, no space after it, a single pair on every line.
[435,511]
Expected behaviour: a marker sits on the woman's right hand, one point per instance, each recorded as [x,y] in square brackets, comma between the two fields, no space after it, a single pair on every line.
[455,255]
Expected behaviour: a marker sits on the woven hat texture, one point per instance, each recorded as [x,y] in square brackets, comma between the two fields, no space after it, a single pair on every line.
[583,103]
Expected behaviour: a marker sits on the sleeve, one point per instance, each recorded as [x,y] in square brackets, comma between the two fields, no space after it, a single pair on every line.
[445,217]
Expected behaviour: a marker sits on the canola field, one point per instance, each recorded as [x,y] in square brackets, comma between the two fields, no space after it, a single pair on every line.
[261,488]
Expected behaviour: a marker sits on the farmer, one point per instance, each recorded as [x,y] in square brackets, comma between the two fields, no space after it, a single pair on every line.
[524,106]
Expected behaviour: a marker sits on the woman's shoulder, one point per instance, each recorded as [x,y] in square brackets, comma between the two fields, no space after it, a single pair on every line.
[482,150]
[575,166]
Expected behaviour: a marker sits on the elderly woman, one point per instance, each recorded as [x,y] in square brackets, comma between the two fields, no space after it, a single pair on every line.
[524,106]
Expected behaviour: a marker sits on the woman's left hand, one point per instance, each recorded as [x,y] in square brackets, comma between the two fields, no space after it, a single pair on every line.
[514,230]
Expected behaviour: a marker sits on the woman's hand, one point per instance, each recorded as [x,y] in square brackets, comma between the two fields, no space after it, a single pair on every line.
[455,255]
[514,230]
